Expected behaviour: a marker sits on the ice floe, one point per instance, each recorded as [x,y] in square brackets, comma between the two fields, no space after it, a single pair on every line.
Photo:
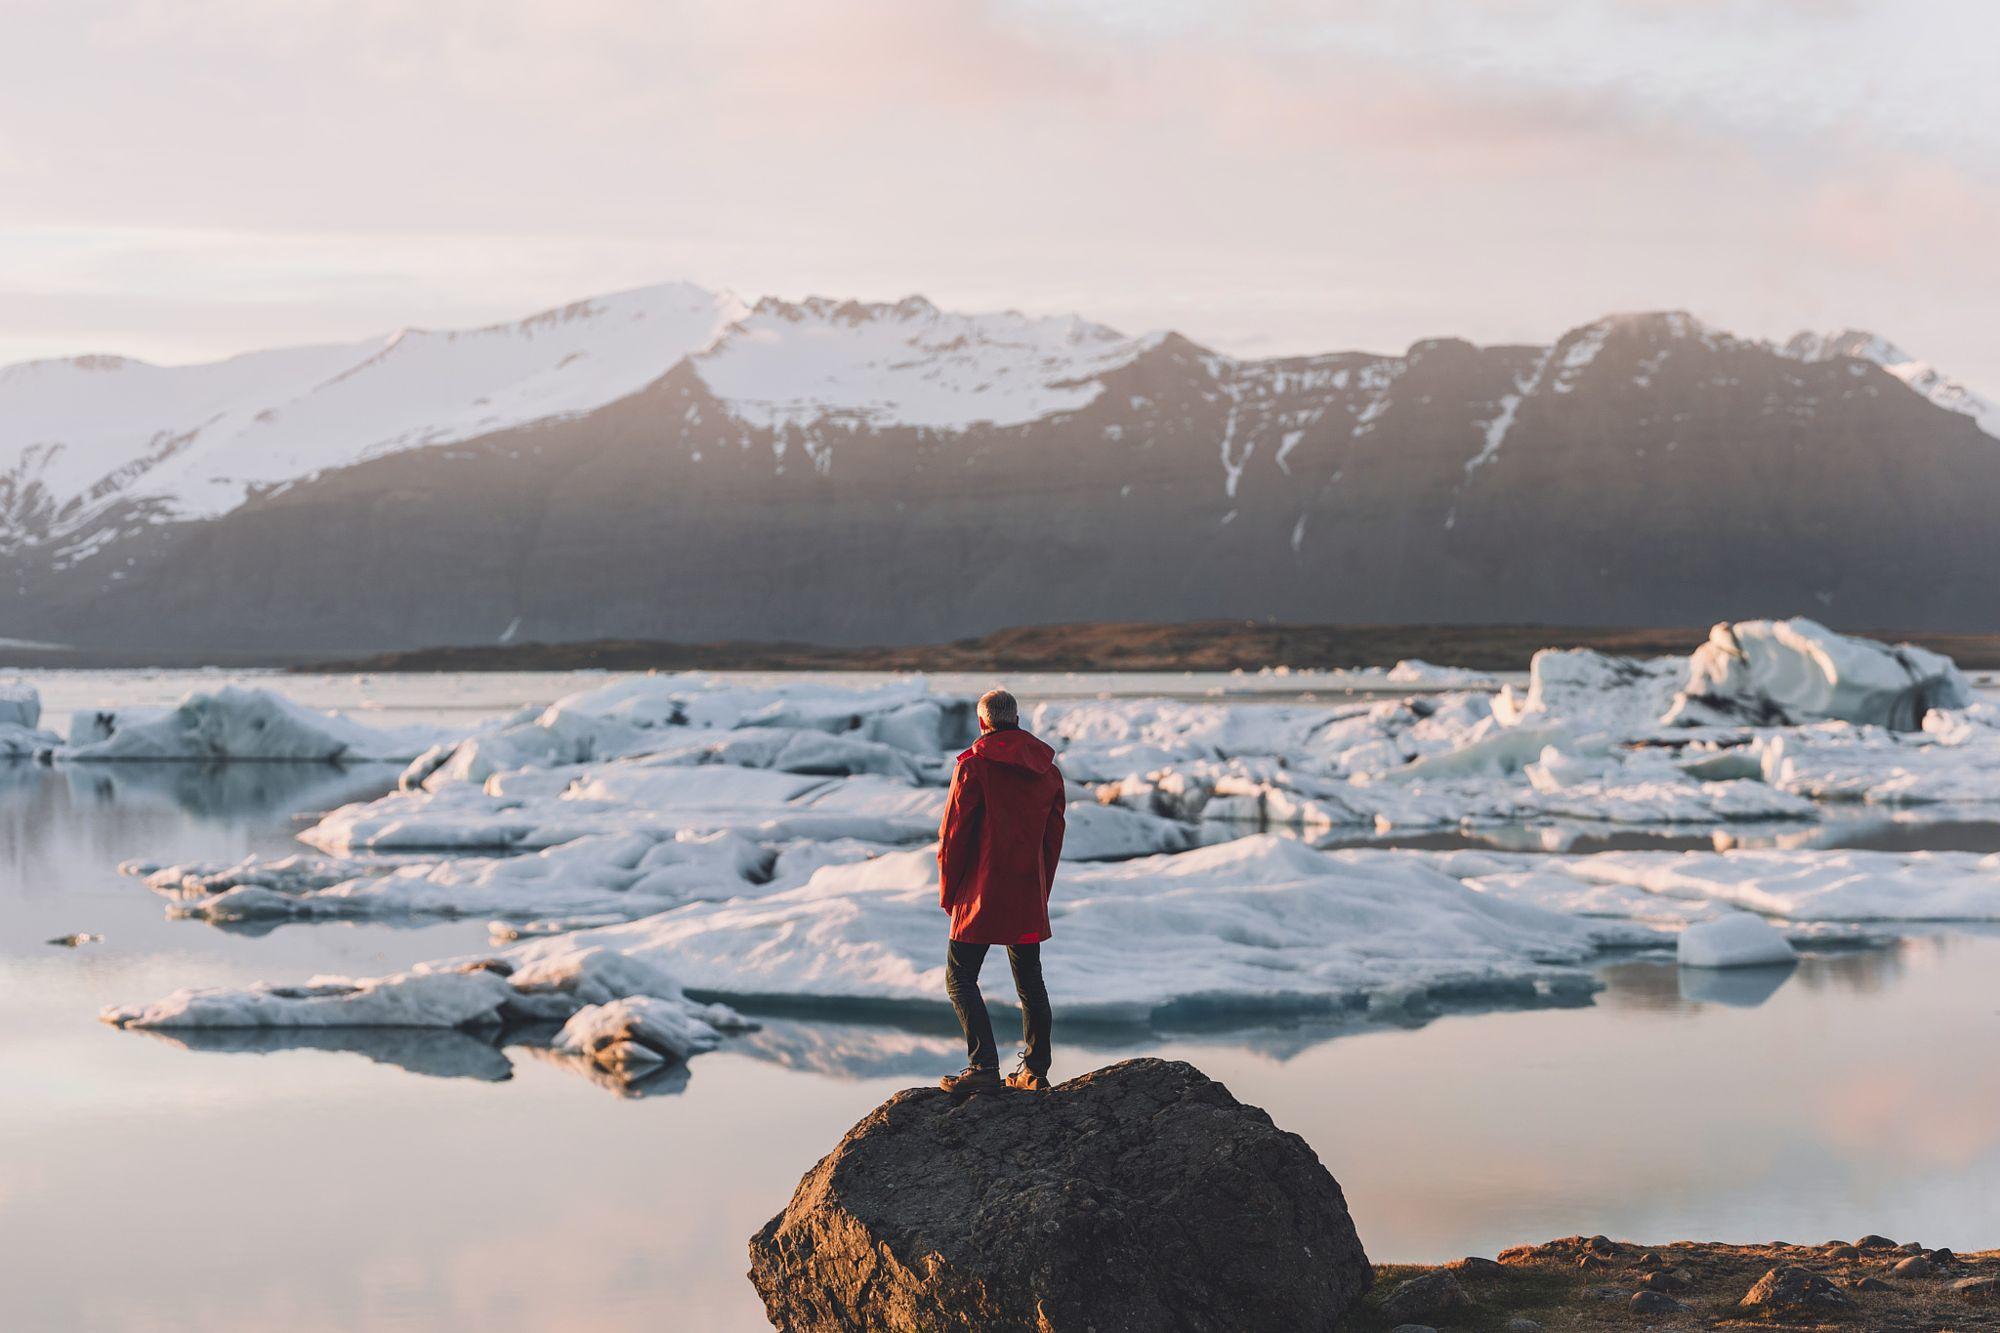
[1261,924]
[1793,884]
[772,843]
[469,995]
[619,875]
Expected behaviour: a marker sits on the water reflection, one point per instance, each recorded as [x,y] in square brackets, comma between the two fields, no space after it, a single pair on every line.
[1661,986]
[432,1052]
[1856,828]
[227,791]
[1737,987]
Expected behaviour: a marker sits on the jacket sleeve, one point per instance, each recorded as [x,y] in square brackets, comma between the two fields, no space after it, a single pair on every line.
[1052,838]
[958,833]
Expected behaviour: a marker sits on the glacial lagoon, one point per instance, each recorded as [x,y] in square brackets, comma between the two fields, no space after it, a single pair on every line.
[431,1180]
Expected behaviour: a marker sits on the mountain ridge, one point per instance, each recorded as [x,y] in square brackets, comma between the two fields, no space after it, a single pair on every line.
[848,472]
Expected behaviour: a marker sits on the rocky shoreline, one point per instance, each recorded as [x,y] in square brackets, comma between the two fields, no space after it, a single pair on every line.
[1143,1197]
[1592,1282]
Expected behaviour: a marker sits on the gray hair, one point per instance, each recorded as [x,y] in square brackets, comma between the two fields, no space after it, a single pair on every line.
[999,709]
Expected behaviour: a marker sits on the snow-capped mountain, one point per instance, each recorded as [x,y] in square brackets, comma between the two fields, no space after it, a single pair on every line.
[679,463]
[81,436]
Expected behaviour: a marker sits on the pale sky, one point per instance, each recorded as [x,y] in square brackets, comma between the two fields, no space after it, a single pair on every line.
[183,179]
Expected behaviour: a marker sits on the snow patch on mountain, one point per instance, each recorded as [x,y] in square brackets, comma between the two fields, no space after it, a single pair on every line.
[1921,376]
[907,364]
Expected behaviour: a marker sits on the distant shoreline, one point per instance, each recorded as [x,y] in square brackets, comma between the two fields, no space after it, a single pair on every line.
[1214,645]
[1222,645]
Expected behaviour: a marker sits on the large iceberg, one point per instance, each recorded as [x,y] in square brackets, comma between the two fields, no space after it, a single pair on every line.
[233,723]
[1785,672]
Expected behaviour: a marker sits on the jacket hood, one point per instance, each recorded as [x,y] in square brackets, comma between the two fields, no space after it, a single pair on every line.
[1016,747]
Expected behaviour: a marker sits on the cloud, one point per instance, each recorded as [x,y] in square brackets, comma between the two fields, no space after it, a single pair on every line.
[1271,174]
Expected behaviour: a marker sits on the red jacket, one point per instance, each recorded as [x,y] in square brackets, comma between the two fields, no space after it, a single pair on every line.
[1001,838]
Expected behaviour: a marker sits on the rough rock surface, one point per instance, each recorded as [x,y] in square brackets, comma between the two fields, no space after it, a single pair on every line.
[1792,1288]
[1140,1198]
[1436,1293]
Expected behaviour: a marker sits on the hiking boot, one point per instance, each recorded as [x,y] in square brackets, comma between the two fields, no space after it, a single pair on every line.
[971,1079]
[1027,1080]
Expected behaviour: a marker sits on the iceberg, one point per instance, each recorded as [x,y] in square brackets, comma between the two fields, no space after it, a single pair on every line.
[235,723]
[1786,672]
[625,1036]
[1585,688]
[21,736]
[1736,939]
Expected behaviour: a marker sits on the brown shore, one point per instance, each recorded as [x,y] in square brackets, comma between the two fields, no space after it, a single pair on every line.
[1589,1283]
[1214,645]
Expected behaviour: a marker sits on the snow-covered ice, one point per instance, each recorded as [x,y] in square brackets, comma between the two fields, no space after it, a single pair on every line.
[1795,884]
[773,840]
[1261,924]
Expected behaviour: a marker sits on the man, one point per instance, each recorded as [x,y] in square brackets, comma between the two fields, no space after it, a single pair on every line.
[997,851]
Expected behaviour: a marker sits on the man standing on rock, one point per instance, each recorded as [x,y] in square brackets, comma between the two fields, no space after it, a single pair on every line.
[997,851]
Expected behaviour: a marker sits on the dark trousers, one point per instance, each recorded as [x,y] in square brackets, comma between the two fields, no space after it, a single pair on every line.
[961,983]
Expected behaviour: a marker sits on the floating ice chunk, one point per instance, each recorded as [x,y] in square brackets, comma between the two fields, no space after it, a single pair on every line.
[1785,672]
[1499,754]
[620,1015]
[1592,691]
[20,722]
[236,722]
[1416,671]
[642,1030]
[417,999]
[624,875]
[645,714]
[1737,939]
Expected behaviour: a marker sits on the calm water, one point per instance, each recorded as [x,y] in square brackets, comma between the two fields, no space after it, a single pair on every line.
[429,1182]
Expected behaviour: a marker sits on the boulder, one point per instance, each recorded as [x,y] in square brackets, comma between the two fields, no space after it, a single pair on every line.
[1139,1198]
[1433,1293]
[1795,1290]
[1977,1288]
